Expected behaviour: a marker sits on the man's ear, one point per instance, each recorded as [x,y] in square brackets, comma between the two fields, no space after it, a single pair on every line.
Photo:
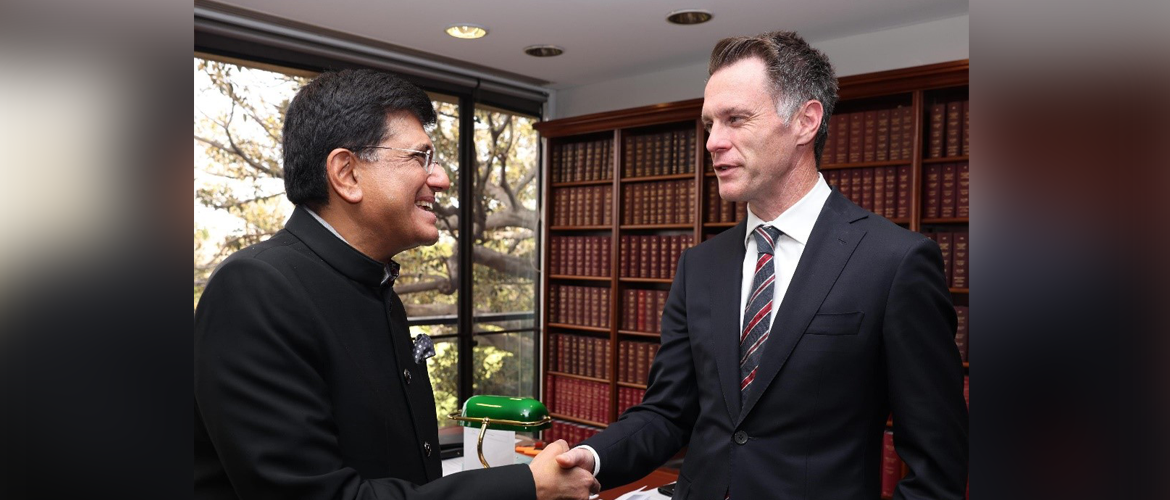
[808,121]
[341,174]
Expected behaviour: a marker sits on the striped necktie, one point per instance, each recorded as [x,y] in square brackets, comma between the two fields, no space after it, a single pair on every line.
[758,313]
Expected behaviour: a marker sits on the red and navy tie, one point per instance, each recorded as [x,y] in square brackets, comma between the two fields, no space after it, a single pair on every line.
[758,312]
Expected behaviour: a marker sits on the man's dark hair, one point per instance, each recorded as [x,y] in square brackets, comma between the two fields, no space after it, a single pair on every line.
[797,72]
[342,109]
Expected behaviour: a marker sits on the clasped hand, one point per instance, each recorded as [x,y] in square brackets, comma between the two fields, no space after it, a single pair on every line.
[562,474]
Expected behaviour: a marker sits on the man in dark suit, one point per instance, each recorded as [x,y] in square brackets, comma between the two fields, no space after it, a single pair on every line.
[788,339]
[307,383]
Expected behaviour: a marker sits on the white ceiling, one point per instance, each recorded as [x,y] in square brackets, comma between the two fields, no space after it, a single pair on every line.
[603,39]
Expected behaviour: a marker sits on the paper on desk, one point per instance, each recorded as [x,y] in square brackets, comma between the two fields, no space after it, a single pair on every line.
[498,448]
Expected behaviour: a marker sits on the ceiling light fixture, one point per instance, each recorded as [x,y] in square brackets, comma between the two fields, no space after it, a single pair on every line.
[467,31]
[688,16]
[543,50]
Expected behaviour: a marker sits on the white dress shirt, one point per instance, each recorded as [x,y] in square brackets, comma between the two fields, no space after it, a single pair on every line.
[797,224]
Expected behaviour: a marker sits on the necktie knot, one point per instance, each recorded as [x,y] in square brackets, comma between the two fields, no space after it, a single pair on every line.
[766,238]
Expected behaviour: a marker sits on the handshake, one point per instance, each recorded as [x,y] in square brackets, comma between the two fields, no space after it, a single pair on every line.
[563,474]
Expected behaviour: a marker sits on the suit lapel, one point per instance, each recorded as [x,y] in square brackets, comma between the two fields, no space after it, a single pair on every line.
[830,245]
[726,282]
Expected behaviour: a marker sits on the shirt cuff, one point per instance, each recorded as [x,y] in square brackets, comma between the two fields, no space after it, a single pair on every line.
[596,459]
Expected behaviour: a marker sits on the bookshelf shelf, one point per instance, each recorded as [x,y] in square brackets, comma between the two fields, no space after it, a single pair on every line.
[580,228]
[568,326]
[636,333]
[646,280]
[599,169]
[560,416]
[949,159]
[657,226]
[579,278]
[674,177]
[578,377]
[865,164]
[600,182]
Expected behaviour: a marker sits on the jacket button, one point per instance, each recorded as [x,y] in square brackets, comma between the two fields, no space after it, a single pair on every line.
[406,374]
[740,437]
[427,448]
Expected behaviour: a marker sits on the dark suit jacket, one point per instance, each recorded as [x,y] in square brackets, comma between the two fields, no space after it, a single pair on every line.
[867,326]
[305,385]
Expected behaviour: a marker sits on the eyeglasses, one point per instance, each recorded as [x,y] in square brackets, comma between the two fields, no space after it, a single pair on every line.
[424,157]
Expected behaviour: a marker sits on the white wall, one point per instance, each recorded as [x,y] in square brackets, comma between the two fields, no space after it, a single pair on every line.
[902,47]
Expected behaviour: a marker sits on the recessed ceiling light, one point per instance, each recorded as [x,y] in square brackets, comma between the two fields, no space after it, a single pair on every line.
[689,16]
[467,31]
[543,50]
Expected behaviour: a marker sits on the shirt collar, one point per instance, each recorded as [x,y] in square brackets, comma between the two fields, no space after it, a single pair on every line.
[389,273]
[797,222]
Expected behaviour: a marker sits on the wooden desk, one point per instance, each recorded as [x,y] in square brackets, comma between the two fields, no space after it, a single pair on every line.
[652,481]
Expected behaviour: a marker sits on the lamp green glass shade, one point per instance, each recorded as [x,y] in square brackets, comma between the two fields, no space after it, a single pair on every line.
[501,413]
[504,413]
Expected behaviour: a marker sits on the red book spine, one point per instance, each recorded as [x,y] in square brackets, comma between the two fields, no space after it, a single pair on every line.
[895,140]
[588,257]
[948,191]
[882,140]
[907,133]
[937,126]
[954,129]
[963,199]
[623,356]
[655,255]
[867,179]
[606,255]
[856,134]
[829,154]
[641,370]
[869,147]
[628,154]
[712,212]
[641,323]
[891,192]
[891,465]
[643,246]
[607,206]
[845,183]
[959,271]
[879,190]
[932,191]
[857,185]
[842,155]
[903,191]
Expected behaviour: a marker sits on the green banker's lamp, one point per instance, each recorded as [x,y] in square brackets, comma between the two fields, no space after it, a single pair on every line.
[501,413]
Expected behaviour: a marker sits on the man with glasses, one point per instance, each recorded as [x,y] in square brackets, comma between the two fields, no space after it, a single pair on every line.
[307,383]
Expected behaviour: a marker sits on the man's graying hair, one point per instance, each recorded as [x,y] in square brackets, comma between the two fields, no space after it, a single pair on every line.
[798,73]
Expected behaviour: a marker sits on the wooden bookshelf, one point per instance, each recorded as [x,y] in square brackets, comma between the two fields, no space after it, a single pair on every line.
[650,147]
